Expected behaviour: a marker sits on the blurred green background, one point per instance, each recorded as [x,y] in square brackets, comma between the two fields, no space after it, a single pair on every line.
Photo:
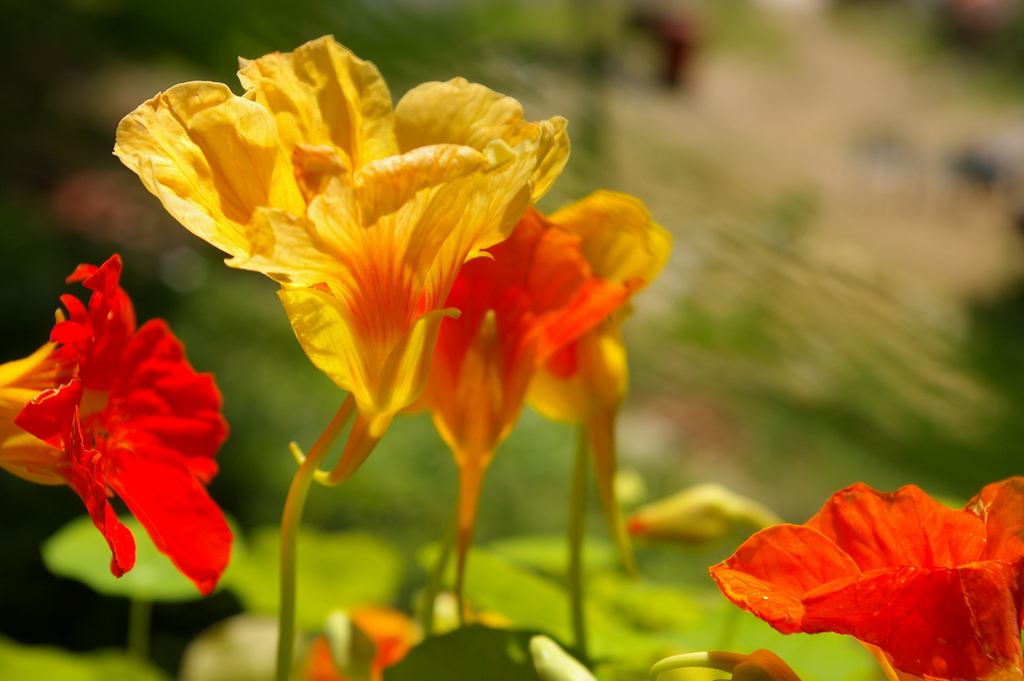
[843,301]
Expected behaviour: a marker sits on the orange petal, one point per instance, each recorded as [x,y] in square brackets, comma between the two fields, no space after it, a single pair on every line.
[773,570]
[917,530]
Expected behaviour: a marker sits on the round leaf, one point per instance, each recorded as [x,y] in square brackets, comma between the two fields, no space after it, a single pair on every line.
[78,551]
[335,571]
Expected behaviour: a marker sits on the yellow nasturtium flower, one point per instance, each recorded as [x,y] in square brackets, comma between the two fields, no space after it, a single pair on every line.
[363,213]
[586,381]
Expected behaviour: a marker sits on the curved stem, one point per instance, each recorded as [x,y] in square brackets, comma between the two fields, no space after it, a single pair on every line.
[290,522]
[577,521]
[139,618]
[722,661]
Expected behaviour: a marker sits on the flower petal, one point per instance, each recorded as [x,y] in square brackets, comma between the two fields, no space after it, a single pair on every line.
[87,479]
[459,112]
[174,507]
[211,158]
[773,570]
[1001,507]
[323,94]
[159,393]
[950,623]
[618,237]
[906,527]
[383,380]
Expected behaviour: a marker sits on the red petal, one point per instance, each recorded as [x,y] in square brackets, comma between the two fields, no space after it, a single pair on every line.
[951,623]
[103,279]
[1001,507]
[906,527]
[50,413]
[184,523]
[86,478]
[770,573]
[158,391]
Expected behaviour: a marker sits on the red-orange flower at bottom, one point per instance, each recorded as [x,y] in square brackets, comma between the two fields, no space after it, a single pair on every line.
[937,590]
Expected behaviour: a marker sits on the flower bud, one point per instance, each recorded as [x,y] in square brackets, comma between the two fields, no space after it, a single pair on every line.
[699,514]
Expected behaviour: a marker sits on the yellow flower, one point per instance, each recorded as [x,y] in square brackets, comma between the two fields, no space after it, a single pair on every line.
[23,454]
[586,381]
[364,214]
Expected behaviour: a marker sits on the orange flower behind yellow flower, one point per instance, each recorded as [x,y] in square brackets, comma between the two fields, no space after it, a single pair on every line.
[534,294]
[363,213]
[586,381]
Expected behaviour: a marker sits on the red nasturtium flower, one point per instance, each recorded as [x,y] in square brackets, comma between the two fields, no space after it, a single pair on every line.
[933,591]
[535,293]
[121,410]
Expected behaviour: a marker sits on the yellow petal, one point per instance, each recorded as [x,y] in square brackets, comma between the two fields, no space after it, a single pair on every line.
[387,185]
[383,380]
[323,94]
[619,239]
[211,158]
[459,112]
[598,384]
[21,380]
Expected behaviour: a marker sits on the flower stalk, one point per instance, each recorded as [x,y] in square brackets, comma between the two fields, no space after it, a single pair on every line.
[290,522]
[577,522]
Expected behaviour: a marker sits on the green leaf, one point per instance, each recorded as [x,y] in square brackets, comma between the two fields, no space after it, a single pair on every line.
[335,571]
[549,553]
[473,653]
[31,663]
[78,551]
[528,600]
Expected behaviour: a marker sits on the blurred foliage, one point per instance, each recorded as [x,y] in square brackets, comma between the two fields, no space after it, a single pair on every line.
[31,663]
[335,571]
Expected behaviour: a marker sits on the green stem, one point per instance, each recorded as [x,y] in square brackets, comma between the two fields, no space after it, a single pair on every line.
[433,587]
[577,520]
[290,522]
[139,617]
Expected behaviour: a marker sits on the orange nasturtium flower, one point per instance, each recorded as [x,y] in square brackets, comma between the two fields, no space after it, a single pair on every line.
[535,293]
[392,632]
[933,592]
[119,409]
[363,213]
[585,382]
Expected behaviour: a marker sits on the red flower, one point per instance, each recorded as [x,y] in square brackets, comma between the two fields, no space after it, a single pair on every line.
[139,421]
[937,590]
[533,294]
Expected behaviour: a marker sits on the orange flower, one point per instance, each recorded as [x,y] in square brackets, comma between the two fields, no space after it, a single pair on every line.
[934,592]
[364,214]
[534,294]
[392,633]
[586,380]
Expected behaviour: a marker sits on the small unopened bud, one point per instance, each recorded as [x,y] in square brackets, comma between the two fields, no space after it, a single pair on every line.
[554,664]
[699,514]
[760,665]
